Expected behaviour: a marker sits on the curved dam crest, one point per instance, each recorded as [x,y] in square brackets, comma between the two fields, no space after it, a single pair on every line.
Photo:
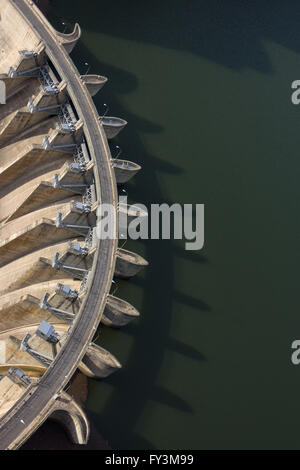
[55,274]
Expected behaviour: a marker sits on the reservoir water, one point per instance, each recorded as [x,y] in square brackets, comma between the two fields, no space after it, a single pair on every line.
[205,87]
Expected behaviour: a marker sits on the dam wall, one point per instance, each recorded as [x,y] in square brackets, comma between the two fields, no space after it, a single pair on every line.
[55,274]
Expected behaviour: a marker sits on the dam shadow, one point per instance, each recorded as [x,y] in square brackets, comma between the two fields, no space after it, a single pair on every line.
[132,389]
[231,35]
[135,386]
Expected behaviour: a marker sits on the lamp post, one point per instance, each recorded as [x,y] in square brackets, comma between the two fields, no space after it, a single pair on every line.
[87,65]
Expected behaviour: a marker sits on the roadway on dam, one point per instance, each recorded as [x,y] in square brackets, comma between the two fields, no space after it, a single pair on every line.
[36,404]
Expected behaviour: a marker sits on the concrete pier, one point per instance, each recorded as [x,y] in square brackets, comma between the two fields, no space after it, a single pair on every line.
[128,264]
[118,312]
[70,415]
[98,362]
[124,170]
[94,83]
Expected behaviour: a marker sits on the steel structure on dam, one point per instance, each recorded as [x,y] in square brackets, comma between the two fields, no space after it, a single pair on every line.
[55,273]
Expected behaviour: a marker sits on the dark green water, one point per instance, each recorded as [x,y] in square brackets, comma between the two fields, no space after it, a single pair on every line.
[205,87]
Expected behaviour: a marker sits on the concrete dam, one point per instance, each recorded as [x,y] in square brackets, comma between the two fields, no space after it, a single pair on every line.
[56,169]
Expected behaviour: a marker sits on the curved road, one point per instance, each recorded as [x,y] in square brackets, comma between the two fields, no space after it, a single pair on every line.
[35,405]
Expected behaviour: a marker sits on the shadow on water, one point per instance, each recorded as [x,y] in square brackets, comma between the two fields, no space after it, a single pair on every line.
[133,388]
[229,33]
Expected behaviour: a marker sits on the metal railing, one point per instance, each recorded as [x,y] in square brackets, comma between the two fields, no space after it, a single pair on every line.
[66,121]
[46,81]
